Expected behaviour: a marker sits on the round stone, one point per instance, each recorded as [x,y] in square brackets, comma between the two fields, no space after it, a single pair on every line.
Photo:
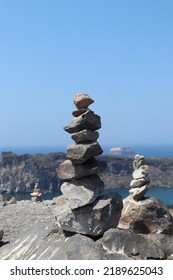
[82,100]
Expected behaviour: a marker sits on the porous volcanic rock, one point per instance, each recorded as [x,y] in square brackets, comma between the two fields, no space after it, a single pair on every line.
[149,215]
[138,246]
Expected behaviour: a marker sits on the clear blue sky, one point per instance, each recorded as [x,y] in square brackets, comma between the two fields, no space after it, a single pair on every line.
[120,52]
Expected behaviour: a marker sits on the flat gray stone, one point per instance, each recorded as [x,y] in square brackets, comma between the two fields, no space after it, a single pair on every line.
[137,183]
[83,191]
[85,135]
[88,120]
[138,193]
[68,170]
[80,153]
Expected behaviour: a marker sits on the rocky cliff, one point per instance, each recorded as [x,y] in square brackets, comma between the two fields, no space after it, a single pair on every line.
[19,173]
[119,171]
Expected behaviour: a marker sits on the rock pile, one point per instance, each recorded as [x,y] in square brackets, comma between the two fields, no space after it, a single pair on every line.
[36,194]
[139,184]
[144,214]
[82,208]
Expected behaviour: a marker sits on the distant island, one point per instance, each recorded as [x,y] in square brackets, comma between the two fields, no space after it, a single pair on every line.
[122,151]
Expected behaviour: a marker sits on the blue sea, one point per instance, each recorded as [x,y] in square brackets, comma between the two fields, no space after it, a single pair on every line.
[145,150]
[164,194]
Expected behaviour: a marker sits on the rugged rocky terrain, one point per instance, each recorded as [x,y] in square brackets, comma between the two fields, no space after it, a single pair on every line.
[84,222]
[30,232]
[19,173]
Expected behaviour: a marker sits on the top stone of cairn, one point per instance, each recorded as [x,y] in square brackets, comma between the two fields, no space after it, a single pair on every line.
[82,100]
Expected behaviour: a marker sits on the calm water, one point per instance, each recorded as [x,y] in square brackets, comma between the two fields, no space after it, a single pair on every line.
[145,150]
[164,194]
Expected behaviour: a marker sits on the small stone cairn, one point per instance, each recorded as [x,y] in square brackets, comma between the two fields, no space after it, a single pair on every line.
[36,194]
[139,184]
[82,208]
[144,214]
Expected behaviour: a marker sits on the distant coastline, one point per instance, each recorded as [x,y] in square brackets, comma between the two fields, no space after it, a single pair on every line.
[145,150]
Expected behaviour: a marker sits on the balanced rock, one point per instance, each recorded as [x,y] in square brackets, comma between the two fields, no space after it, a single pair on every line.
[80,153]
[141,172]
[138,161]
[36,194]
[83,208]
[139,184]
[149,215]
[85,135]
[67,170]
[138,193]
[82,100]
[79,112]
[87,120]
[82,191]
[93,219]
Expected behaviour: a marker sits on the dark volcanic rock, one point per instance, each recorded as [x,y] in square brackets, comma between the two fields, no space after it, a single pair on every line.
[80,247]
[149,215]
[93,219]
[139,246]
[88,120]
[68,170]
[79,112]
[80,153]
[82,191]
[167,244]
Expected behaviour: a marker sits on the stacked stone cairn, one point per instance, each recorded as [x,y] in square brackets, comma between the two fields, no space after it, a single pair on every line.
[144,214]
[83,208]
[36,194]
[139,184]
